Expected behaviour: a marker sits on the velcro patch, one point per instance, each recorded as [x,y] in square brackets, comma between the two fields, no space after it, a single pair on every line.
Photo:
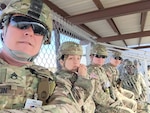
[9,90]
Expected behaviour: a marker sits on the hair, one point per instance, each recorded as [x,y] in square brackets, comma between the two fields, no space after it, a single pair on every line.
[63,57]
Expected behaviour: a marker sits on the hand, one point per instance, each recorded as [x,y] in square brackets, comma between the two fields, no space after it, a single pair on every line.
[82,70]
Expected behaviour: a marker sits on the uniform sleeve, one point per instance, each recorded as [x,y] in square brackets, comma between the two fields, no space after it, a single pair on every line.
[44,109]
[59,103]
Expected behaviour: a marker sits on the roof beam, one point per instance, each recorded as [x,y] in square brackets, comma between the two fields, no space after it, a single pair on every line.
[64,14]
[141,47]
[110,21]
[143,21]
[107,13]
[100,6]
[125,36]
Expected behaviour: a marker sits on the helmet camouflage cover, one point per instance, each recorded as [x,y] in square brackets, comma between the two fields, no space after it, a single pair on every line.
[35,9]
[99,49]
[129,63]
[116,54]
[69,48]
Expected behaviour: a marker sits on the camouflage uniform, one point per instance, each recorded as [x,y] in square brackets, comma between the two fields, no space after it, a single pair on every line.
[104,104]
[19,83]
[73,88]
[135,83]
[116,92]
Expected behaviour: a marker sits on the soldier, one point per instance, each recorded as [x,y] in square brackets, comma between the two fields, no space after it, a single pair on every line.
[73,80]
[104,104]
[24,86]
[116,91]
[133,81]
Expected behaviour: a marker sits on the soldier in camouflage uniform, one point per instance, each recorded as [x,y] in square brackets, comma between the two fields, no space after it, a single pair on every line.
[132,80]
[72,79]
[104,104]
[115,89]
[24,86]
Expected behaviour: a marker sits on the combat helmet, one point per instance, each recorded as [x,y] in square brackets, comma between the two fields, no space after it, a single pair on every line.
[35,9]
[129,63]
[69,48]
[99,49]
[116,54]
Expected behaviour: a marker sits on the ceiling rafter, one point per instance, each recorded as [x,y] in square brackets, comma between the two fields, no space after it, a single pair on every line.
[111,12]
[141,47]
[143,20]
[64,14]
[110,21]
[124,36]
[143,6]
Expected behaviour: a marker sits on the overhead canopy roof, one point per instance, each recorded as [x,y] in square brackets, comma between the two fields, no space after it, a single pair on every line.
[124,23]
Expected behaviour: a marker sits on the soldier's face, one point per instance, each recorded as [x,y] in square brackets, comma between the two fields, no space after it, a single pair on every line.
[98,60]
[72,62]
[130,69]
[115,62]
[23,40]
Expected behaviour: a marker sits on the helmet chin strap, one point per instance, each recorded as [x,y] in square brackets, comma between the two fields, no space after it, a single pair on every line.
[20,56]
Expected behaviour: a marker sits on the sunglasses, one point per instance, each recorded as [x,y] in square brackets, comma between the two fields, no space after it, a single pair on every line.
[100,56]
[117,58]
[23,22]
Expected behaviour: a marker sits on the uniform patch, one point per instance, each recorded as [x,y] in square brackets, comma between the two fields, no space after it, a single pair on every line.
[5,90]
[93,75]
[10,90]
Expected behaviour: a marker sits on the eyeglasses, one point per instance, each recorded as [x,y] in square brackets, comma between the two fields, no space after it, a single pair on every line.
[117,58]
[23,22]
[100,56]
